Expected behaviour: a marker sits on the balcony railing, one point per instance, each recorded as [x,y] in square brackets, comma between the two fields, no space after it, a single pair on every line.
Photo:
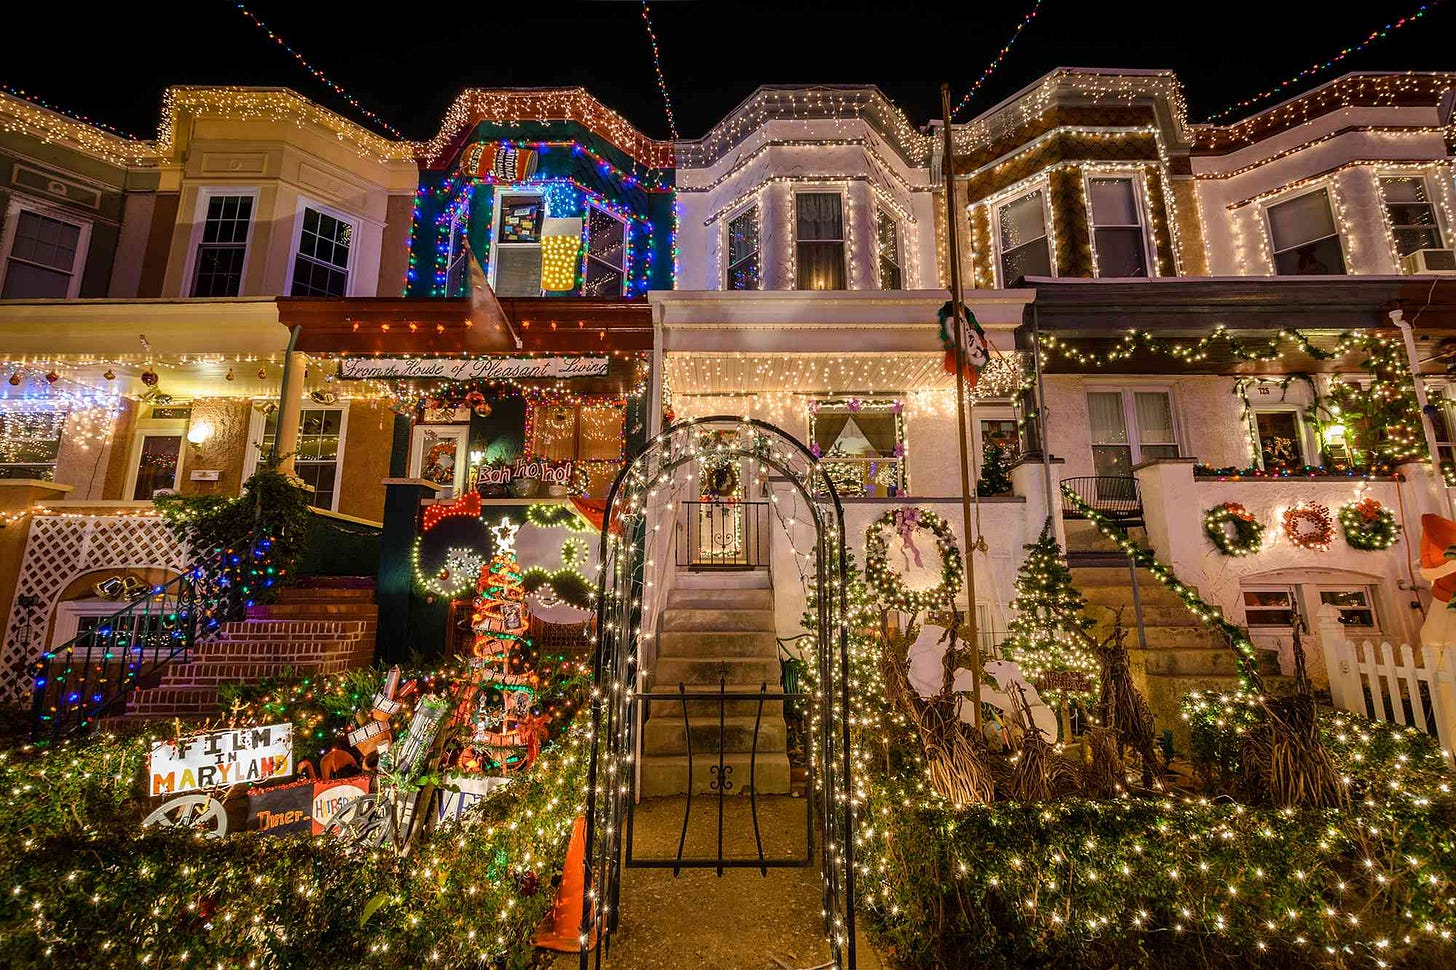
[723,535]
[1115,497]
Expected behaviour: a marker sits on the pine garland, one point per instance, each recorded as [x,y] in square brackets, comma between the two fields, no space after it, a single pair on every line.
[1368,525]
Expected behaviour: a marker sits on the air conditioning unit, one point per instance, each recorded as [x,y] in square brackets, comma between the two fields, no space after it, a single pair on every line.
[1431,262]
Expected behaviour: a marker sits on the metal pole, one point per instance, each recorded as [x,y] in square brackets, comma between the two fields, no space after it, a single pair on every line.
[1041,428]
[1438,477]
[953,258]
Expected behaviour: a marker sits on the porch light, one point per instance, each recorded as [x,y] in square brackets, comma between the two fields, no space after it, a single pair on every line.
[199,432]
[477,456]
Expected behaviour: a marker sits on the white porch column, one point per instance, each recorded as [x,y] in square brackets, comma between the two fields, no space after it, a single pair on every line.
[1172,514]
[290,411]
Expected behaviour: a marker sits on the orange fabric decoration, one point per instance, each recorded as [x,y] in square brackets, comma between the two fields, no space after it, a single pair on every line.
[1438,533]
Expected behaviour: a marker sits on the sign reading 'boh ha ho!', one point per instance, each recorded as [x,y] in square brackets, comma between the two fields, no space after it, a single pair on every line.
[217,758]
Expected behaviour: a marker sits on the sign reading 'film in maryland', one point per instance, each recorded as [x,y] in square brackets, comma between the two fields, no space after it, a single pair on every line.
[218,758]
[476,369]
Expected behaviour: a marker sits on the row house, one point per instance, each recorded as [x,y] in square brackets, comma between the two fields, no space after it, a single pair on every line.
[265,275]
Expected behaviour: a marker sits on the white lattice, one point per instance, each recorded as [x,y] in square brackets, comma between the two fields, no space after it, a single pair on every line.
[59,549]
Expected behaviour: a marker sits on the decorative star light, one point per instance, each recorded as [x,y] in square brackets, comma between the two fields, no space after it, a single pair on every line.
[504,536]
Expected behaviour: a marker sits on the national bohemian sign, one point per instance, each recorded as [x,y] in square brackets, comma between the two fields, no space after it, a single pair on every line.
[217,758]
[476,369]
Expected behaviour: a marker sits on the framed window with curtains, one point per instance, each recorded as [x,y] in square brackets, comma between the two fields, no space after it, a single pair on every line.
[819,241]
[590,432]
[862,444]
[1128,426]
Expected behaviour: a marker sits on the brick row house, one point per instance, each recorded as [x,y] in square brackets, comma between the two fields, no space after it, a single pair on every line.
[1170,302]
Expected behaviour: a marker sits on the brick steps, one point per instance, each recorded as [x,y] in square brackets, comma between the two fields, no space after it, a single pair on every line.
[321,628]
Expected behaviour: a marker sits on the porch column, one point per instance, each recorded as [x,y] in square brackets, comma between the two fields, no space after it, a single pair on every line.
[1172,514]
[396,566]
[290,411]
[1028,480]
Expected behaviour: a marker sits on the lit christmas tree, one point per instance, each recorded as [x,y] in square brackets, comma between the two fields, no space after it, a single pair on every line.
[995,471]
[1048,636]
[500,619]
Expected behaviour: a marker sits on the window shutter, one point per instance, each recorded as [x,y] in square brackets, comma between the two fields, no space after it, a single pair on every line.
[518,271]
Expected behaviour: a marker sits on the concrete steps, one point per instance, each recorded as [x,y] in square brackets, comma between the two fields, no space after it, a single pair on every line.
[716,633]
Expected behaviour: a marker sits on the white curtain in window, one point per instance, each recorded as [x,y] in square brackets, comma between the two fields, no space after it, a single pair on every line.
[1155,417]
[1301,220]
[1104,417]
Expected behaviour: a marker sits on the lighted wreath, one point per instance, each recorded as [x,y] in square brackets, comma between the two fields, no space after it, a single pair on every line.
[1368,525]
[912,562]
[1308,526]
[1233,529]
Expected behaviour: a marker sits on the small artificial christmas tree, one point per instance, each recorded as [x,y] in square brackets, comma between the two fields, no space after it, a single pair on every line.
[1048,638]
[995,471]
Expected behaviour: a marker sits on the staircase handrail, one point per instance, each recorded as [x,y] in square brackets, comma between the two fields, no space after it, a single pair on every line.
[189,609]
[1245,653]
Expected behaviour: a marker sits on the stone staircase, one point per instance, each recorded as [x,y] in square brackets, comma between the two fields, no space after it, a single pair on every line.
[717,627]
[325,626]
[1182,653]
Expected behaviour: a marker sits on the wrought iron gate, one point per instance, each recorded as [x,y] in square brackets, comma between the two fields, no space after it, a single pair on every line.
[616,699]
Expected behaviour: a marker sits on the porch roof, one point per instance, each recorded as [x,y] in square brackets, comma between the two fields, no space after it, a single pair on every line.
[1096,316]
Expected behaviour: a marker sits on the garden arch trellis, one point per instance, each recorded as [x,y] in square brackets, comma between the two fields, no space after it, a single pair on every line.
[610,783]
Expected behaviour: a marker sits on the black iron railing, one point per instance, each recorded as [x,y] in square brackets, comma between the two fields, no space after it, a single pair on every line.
[723,535]
[89,676]
[1115,497]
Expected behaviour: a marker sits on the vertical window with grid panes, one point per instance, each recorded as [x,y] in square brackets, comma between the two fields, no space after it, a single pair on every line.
[887,243]
[320,446]
[605,271]
[1022,231]
[1411,214]
[1128,427]
[819,241]
[321,265]
[45,256]
[516,257]
[743,249]
[1117,228]
[218,267]
[1304,237]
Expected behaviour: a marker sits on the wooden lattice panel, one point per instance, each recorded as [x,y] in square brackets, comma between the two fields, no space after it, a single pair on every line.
[59,549]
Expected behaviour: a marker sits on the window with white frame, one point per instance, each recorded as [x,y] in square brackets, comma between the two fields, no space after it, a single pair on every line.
[154,462]
[217,266]
[318,456]
[604,271]
[819,241]
[1130,426]
[1281,438]
[887,242]
[1443,423]
[30,441]
[995,428]
[743,251]
[515,259]
[1269,606]
[1304,237]
[1117,227]
[862,444]
[1411,214]
[321,258]
[1276,606]
[44,253]
[1022,234]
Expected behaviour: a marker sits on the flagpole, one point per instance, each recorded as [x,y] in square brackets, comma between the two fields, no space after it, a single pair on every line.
[953,258]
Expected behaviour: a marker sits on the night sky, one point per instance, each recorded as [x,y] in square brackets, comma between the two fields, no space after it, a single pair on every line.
[409,65]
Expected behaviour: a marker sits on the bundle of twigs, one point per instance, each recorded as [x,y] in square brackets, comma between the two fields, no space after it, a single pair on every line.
[1297,767]
[1104,775]
[1122,706]
[952,756]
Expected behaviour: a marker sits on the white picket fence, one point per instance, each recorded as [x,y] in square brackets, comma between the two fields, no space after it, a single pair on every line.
[1405,685]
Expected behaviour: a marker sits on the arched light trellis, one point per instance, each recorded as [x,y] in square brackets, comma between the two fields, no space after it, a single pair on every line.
[650,473]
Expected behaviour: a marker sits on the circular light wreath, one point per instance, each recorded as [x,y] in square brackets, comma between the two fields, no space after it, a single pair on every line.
[887,585]
[1368,525]
[1247,535]
[1308,526]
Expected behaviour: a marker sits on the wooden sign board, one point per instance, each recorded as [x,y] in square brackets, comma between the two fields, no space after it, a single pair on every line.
[215,759]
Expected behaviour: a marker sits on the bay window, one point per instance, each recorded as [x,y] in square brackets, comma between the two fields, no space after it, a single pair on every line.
[743,249]
[1117,228]
[1411,215]
[321,256]
[515,259]
[887,242]
[605,269]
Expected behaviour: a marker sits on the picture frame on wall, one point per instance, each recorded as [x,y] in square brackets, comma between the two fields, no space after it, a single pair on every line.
[439,453]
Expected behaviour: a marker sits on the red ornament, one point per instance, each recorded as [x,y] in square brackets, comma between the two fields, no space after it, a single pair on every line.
[150,378]
[52,376]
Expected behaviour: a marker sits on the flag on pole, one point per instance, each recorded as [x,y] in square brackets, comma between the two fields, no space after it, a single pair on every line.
[972,338]
[486,311]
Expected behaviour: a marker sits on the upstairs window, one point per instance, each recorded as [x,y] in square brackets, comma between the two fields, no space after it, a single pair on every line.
[819,241]
[1117,228]
[605,270]
[321,262]
[516,257]
[29,443]
[1411,214]
[1305,239]
[887,242]
[44,256]
[218,267]
[1022,231]
[457,270]
[743,248]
